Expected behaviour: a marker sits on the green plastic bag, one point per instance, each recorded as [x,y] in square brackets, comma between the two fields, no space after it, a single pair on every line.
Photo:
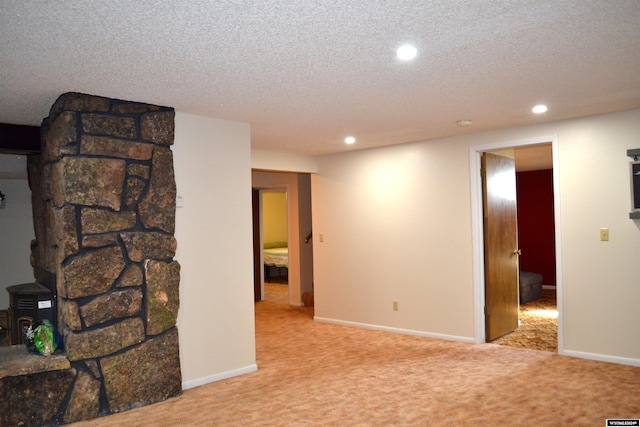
[42,338]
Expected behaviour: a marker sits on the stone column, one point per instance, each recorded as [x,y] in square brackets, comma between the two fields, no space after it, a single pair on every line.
[104,213]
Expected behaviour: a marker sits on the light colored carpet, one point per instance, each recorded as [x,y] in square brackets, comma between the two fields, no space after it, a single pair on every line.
[539,325]
[276,292]
[316,374]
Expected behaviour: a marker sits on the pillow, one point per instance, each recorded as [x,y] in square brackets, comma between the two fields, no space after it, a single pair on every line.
[272,245]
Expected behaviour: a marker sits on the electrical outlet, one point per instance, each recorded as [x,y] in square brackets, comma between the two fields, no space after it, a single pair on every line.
[395,306]
[604,234]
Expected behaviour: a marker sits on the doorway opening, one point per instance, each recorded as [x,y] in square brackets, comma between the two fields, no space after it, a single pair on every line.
[270,244]
[538,305]
[275,250]
[283,256]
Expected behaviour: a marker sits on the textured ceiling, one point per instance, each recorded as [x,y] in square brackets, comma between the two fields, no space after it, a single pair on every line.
[306,74]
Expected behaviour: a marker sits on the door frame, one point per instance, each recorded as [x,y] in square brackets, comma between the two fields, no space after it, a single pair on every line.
[258,270]
[477,229]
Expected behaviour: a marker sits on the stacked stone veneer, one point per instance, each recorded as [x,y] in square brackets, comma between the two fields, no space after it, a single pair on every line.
[104,214]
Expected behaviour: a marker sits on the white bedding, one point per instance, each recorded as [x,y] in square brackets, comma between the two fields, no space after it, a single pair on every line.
[276,257]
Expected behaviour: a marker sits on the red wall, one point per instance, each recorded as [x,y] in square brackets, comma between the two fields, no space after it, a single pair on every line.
[535,223]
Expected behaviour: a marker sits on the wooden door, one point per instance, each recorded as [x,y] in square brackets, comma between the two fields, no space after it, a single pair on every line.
[500,245]
[257,266]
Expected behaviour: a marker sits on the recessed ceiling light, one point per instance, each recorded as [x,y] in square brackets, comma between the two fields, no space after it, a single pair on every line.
[406,52]
[349,140]
[464,123]
[539,109]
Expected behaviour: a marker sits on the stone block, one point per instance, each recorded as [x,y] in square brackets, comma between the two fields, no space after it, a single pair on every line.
[47,183]
[132,276]
[145,374]
[92,366]
[115,147]
[15,360]
[134,190]
[55,182]
[163,298]
[158,127]
[129,108]
[104,341]
[63,224]
[69,314]
[114,305]
[158,208]
[74,101]
[61,137]
[93,272]
[101,124]
[33,400]
[97,221]
[88,181]
[149,245]
[98,241]
[84,402]
[137,169]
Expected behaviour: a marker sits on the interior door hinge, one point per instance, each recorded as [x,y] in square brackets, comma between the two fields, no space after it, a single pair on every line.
[486,311]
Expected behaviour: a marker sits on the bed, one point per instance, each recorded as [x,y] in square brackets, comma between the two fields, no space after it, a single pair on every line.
[276,255]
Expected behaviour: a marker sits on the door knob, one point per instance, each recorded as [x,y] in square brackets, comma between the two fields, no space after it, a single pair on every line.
[517,252]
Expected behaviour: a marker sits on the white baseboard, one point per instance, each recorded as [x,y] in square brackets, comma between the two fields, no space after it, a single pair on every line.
[603,357]
[220,376]
[394,330]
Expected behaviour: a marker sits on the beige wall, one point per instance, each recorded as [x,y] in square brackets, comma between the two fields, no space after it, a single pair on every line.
[274,216]
[16,233]
[396,223]
[396,226]
[212,161]
[601,279]
[279,161]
